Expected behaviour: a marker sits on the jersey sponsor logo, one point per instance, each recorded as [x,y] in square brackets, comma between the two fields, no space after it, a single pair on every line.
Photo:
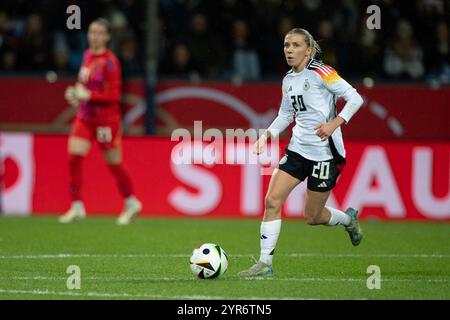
[290,88]
[322,185]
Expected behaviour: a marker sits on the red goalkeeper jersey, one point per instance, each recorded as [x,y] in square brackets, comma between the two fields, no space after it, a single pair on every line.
[101,74]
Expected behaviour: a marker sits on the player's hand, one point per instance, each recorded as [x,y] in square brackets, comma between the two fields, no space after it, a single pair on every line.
[259,145]
[69,95]
[81,93]
[325,130]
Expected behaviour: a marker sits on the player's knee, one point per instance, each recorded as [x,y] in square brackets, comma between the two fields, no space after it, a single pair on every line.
[273,207]
[113,156]
[273,202]
[312,217]
[78,146]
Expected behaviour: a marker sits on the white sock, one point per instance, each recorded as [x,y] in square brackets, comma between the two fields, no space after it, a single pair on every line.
[338,217]
[269,233]
[78,205]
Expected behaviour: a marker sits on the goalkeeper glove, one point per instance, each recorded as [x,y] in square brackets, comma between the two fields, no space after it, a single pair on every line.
[69,95]
[81,93]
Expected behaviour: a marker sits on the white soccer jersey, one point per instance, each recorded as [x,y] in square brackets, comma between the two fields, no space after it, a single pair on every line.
[311,95]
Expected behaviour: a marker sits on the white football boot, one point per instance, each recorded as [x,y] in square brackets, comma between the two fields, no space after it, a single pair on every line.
[132,208]
[74,214]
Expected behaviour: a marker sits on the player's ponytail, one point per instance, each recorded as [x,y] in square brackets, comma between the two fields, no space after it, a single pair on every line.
[310,41]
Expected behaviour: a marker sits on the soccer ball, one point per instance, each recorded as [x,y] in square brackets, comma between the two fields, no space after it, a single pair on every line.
[208,261]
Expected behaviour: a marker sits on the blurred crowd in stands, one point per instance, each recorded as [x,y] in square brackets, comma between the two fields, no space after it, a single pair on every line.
[239,40]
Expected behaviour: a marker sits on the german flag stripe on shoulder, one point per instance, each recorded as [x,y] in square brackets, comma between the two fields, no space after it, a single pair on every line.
[327,73]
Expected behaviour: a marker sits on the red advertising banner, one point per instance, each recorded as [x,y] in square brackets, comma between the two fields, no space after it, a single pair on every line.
[389,112]
[389,180]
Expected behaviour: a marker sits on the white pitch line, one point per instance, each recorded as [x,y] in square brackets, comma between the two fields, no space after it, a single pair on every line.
[95,255]
[355,280]
[373,255]
[304,279]
[144,295]
[183,255]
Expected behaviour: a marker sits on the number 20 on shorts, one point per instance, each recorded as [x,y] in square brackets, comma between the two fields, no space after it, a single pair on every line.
[321,170]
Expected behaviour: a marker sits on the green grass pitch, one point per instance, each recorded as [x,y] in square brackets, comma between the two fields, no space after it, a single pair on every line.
[149,260]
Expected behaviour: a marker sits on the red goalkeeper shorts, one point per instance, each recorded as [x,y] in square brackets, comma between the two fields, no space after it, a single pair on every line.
[108,134]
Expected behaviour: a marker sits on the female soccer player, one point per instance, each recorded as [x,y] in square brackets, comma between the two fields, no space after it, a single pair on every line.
[316,150]
[97,95]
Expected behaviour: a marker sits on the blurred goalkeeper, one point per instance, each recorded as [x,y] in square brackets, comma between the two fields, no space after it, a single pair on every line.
[96,96]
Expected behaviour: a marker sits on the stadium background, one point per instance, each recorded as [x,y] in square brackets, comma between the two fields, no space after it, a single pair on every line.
[222,62]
